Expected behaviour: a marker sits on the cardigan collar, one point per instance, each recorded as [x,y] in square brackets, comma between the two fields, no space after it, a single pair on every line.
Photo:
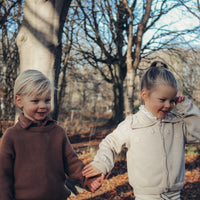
[145,119]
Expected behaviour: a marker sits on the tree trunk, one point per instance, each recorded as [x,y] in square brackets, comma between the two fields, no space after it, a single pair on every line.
[118,107]
[39,38]
[130,75]
[129,90]
[133,59]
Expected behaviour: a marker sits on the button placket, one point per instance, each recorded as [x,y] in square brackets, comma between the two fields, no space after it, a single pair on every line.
[165,168]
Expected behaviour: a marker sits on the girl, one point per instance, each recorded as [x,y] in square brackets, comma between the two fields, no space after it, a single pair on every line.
[155,138]
[35,154]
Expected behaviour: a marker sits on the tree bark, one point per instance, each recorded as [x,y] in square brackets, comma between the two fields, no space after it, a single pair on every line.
[118,91]
[130,77]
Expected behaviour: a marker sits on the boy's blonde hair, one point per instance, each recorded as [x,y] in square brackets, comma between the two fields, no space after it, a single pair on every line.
[32,82]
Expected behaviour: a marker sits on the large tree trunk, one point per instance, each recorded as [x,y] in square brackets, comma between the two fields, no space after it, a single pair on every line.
[39,38]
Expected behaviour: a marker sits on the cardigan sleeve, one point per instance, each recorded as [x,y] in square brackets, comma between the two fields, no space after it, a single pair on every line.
[191,116]
[6,168]
[111,146]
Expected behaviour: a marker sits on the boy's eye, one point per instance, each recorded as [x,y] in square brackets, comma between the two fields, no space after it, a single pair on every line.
[48,100]
[35,101]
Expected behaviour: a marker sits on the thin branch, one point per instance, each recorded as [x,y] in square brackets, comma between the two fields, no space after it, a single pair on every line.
[190,9]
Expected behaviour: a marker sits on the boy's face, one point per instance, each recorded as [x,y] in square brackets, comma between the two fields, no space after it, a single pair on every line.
[35,108]
[161,101]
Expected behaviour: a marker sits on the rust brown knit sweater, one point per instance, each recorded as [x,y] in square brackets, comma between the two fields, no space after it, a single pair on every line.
[34,161]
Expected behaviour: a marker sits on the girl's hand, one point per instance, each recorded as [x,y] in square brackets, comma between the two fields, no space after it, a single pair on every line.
[179,99]
[90,171]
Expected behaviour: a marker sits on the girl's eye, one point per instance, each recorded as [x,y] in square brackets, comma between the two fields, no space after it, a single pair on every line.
[172,101]
[163,100]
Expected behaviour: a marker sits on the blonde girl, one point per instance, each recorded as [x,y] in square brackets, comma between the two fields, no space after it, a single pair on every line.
[155,138]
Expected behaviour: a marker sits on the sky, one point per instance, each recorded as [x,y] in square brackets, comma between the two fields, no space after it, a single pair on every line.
[179,20]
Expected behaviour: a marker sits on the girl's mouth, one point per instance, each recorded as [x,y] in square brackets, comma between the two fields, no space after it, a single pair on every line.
[164,111]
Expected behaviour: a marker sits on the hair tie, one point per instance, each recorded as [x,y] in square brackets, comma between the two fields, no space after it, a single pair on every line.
[159,64]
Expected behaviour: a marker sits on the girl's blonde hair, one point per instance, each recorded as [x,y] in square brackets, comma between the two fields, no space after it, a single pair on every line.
[158,73]
[32,82]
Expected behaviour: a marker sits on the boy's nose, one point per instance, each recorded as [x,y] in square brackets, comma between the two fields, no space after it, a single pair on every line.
[42,104]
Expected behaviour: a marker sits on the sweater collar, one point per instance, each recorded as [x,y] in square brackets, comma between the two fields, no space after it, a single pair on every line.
[26,123]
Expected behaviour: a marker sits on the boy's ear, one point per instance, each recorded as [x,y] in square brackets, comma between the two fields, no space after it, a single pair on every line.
[144,94]
[18,101]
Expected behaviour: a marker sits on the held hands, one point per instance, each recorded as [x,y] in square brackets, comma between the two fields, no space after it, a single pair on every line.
[95,174]
[179,99]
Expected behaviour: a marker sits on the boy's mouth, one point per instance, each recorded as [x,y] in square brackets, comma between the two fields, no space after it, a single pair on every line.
[41,113]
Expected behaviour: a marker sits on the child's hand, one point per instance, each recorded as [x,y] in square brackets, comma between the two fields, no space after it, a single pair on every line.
[93,176]
[179,99]
[97,183]
[90,171]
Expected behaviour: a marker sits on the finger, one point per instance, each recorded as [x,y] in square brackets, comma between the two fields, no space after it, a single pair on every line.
[87,169]
[90,174]
[90,171]
[95,185]
[89,166]
[102,176]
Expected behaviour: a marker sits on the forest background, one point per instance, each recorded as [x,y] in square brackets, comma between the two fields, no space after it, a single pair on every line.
[95,53]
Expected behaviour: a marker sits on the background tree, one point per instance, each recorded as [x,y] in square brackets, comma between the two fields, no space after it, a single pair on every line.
[117,34]
[193,7]
[133,55]
[10,15]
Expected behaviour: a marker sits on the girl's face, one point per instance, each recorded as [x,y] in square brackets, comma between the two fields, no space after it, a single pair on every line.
[35,108]
[161,101]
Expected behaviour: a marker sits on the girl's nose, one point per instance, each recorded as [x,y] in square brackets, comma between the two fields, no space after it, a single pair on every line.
[167,104]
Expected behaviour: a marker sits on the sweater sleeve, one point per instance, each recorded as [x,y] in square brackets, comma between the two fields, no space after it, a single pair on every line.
[6,168]
[191,116]
[111,146]
[73,165]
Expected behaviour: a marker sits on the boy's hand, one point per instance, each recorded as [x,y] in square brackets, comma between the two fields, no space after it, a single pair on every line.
[95,176]
[97,183]
[90,171]
[179,99]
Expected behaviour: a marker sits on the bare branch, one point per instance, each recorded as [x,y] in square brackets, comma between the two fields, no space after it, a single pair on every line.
[190,9]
